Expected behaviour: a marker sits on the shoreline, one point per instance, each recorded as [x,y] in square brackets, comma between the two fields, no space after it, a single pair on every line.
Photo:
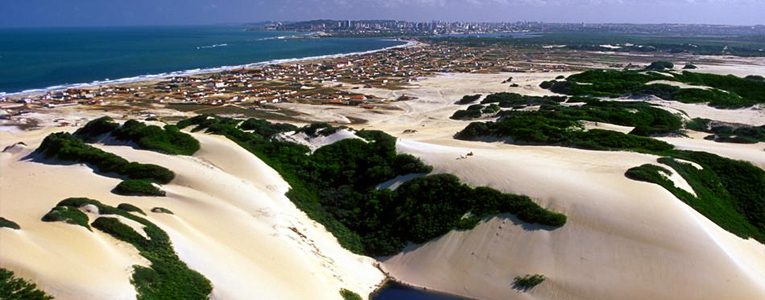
[200,71]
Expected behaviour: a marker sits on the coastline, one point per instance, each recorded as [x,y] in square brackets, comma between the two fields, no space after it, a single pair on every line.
[199,71]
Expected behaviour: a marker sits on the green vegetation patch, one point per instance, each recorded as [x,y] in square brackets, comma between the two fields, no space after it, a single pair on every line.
[96,129]
[68,148]
[265,128]
[660,66]
[14,288]
[727,91]
[538,128]
[349,295]
[137,187]
[728,132]
[316,129]
[468,99]
[130,208]
[527,282]
[161,210]
[167,277]
[71,215]
[8,224]
[475,111]
[336,185]
[167,139]
[730,193]
[514,100]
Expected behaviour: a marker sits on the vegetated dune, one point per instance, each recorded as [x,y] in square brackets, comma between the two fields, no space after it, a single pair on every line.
[753,153]
[623,239]
[231,222]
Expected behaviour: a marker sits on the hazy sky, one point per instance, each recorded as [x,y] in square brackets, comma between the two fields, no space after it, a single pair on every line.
[25,13]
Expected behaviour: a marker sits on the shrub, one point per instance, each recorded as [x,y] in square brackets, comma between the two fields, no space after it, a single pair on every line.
[728,91]
[96,128]
[66,147]
[168,140]
[690,66]
[467,99]
[660,66]
[349,295]
[67,214]
[161,210]
[130,208]
[137,187]
[149,137]
[8,224]
[527,282]
[167,277]
[13,288]
[265,128]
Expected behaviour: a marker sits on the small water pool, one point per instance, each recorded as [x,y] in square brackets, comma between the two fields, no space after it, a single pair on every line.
[395,291]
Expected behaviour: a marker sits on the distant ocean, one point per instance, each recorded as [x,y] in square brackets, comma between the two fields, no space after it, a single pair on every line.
[33,59]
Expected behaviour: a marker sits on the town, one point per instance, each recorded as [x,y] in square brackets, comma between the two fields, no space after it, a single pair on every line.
[244,91]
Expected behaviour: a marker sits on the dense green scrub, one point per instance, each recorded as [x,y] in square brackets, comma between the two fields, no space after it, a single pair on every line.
[14,288]
[137,187]
[728,132]
[336,185]
[730,193]
[167,277]
[728,91]
[506,100]
[468,99]
[555,124]
[168,140]
[8,224]
[68,148]
[476,111]
[130,208]
[67,214]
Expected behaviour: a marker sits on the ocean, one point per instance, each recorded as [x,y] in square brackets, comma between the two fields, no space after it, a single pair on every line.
[32,59]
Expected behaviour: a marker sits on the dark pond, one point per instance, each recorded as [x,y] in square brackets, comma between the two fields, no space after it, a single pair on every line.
[395,291]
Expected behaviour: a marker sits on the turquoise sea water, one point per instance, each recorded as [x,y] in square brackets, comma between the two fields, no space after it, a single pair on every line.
[41,58]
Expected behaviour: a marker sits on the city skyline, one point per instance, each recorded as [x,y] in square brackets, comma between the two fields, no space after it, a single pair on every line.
[83,13]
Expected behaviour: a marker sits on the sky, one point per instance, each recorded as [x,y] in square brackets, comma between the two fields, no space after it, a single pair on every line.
[79,13]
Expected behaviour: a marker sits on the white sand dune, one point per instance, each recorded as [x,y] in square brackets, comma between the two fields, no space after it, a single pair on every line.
[753,153]
[623,240]
[232,223]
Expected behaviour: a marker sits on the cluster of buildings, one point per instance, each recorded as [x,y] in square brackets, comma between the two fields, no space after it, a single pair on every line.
[399,28]
[335,81]
[431,28]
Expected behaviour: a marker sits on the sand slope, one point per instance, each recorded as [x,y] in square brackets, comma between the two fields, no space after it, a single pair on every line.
[232,223]
[623,240]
